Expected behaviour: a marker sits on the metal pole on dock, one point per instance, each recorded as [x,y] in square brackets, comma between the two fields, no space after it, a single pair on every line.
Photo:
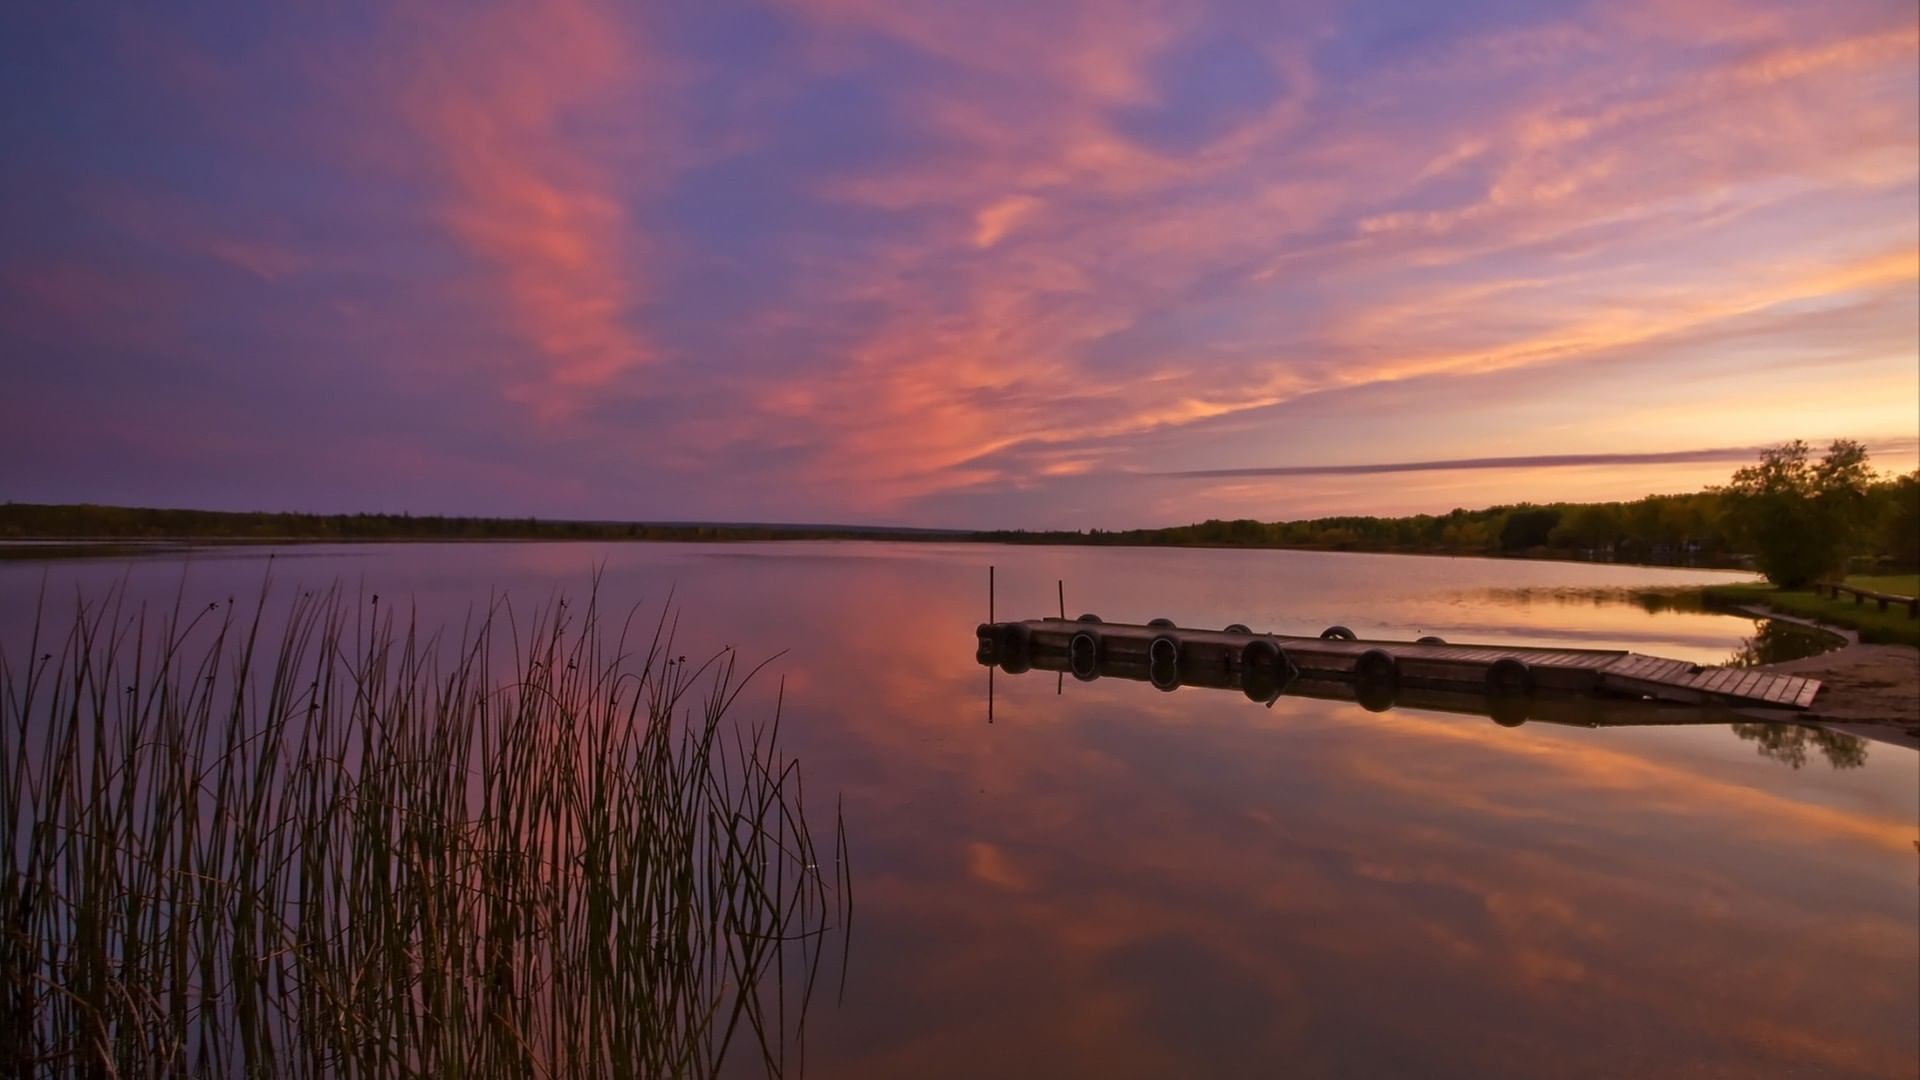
[1060,678]
[989,592]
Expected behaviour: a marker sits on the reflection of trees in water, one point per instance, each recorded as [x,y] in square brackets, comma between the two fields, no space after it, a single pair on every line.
[1774,641]
[1651,601]
[1788,744]
[1655,603]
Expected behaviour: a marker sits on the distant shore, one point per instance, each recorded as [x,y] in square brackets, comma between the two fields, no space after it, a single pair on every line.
[54,548]
[54,531]
[31,531]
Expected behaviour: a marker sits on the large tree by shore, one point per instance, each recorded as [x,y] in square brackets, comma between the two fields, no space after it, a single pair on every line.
[1802,517]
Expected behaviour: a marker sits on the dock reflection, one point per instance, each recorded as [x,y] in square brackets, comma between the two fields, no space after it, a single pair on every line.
[1785,742]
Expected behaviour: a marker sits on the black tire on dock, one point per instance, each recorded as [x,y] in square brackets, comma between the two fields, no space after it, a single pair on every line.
[1376,666]
[1265,670]
[1508,677]
[1161,624]
[1376,696]
[1163,662]
[1083,655]
[1376,676]
[1430,640]
[1016,649]
[1164,674]
[1237,628]
[989,635]
[1088,617]
[1261,687]
[1164,649]
[1261,654]
[1338,633]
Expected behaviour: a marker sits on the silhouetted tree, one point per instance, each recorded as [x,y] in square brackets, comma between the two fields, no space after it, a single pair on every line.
[1801,516]
[1897,514]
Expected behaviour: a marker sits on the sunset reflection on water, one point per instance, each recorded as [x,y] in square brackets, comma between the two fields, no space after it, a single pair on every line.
[1109,880]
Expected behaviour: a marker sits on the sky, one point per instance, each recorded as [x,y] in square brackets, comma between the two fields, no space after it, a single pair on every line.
[1086,263]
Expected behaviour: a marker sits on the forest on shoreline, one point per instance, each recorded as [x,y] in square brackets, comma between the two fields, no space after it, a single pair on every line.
[90,522]
[1699,529]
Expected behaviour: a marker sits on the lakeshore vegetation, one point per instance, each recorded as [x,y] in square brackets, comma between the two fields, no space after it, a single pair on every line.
[1895,626]
[1788,515]
[1793,518]
[313,839]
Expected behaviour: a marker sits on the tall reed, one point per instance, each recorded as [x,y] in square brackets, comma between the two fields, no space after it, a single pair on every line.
[308,839]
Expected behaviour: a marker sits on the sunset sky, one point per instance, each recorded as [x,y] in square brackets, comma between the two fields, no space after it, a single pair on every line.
[1089,263]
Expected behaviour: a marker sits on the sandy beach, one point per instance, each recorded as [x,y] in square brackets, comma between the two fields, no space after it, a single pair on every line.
[1862,684]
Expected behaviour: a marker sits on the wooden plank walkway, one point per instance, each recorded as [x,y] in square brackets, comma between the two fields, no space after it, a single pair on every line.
[1675,680]
[1590,672]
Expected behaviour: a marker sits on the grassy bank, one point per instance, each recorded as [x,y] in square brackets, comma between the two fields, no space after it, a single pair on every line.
[1891,627]
[311,839]
[1897,584]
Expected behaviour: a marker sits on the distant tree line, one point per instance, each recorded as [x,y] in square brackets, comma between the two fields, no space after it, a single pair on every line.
[1785,510]
[89,522]
[1795,518]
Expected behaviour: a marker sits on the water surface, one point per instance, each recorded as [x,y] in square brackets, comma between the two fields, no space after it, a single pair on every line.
[1108,880]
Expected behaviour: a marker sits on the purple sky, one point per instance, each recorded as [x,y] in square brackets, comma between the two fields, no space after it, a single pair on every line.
[1085,263]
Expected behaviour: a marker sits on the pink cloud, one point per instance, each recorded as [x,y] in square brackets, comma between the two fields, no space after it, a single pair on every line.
[875,255]
[495,93]
[1066,231]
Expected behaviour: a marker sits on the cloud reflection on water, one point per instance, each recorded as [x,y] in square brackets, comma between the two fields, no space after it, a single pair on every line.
[1121,882]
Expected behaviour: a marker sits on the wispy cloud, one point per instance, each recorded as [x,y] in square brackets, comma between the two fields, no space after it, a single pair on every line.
[1111,289]
[1714,455]
[878,259]
[493,90]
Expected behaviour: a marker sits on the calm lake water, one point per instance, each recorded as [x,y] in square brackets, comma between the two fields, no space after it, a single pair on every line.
[1109,880]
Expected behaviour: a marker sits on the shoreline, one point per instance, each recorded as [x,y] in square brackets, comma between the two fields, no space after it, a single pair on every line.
[1862,683]
[38,548]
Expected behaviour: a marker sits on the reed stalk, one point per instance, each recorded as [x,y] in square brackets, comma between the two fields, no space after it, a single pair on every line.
[309,839]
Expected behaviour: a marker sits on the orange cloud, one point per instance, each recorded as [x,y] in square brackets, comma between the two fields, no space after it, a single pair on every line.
[991,348]
[989,863]
[494,93]
[1003,216]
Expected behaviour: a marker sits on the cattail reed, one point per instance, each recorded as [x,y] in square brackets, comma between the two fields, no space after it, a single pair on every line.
[305,838]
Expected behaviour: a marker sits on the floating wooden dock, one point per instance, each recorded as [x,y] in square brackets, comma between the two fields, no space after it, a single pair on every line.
[1259,663]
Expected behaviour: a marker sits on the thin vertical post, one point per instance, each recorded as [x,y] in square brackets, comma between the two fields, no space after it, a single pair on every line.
[1060,679]
[990,619]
